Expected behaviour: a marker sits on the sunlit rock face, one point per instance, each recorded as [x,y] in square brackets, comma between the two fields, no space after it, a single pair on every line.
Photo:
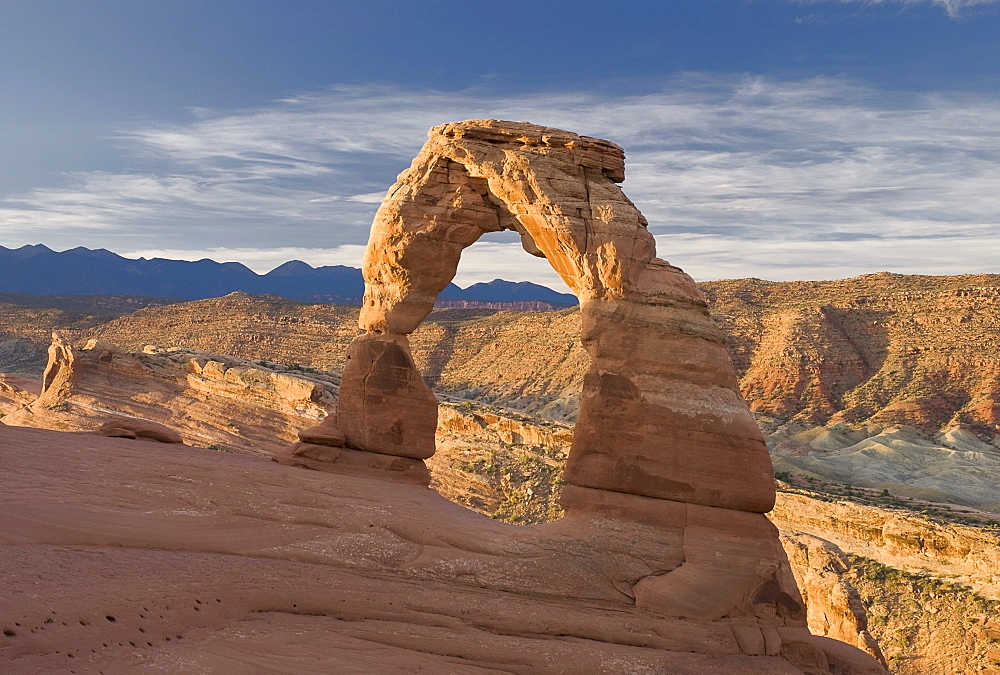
[660,384]
[664,441]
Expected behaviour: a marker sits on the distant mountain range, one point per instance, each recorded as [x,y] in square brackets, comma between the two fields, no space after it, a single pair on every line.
[81,271]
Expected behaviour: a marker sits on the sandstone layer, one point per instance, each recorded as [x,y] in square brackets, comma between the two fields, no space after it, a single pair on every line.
[880,349]
[684,431]
[208,399]
[215,562]
[929,585]
[506,464]
[904,539]
[835,606]
[501,463]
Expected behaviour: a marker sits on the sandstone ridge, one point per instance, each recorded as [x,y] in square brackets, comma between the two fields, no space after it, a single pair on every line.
[206,399]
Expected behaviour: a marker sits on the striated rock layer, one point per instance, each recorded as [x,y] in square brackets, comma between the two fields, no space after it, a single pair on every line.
[663,437]
[875,350]
[206,399]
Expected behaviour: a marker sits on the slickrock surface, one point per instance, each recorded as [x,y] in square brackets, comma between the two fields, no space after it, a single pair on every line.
[129,557]
[208,399]
[928,583]
[130,427]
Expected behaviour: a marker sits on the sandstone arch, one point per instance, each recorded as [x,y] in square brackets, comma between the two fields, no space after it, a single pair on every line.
[668,476]
[661,416]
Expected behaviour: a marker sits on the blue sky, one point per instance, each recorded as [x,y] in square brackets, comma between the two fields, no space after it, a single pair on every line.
[776,139]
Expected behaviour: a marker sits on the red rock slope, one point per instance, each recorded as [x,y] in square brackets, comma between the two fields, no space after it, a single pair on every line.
[129,555]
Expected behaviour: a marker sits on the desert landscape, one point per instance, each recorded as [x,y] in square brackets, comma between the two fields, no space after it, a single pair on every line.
[663,535]
[680,354]
[226,499]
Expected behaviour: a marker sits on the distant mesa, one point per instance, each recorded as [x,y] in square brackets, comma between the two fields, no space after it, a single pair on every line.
[38,270]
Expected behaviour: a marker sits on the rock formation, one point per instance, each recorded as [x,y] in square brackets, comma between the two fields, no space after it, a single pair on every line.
[878,349]
[186,559]
[684,428]
[208,399]
[17,392]
[835,608]
[131,427]
[663,438]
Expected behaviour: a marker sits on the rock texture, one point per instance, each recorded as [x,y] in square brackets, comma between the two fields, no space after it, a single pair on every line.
[905,540]
[221,562]
[663,442]
[208,399]
[17,392]
[27,321]
[128,427]
[879,349]
[835,607]
[684,428]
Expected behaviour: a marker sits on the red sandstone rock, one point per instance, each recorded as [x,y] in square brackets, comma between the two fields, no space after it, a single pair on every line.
[385,406]
[664,439]
[681,429]
[220,562]
[344,460]
[17,392]
[132,427]
[324,434]
[210,399]
[835,607]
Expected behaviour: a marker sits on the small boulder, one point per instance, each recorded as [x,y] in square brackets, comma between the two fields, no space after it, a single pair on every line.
[132,427]
[327,435]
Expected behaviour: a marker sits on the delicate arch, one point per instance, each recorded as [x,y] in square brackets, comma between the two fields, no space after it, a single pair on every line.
[660,416]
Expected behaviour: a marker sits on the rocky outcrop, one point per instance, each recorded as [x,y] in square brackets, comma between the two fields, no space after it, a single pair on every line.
[17,392]
[883,349]
[664,443]
[506,426]
[835,607]
[880,349]
[128,427]
[209,399]
[901,539]
[685,429]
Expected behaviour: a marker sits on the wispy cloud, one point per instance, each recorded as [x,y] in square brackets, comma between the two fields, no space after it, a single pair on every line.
[743,175]
[953,8]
